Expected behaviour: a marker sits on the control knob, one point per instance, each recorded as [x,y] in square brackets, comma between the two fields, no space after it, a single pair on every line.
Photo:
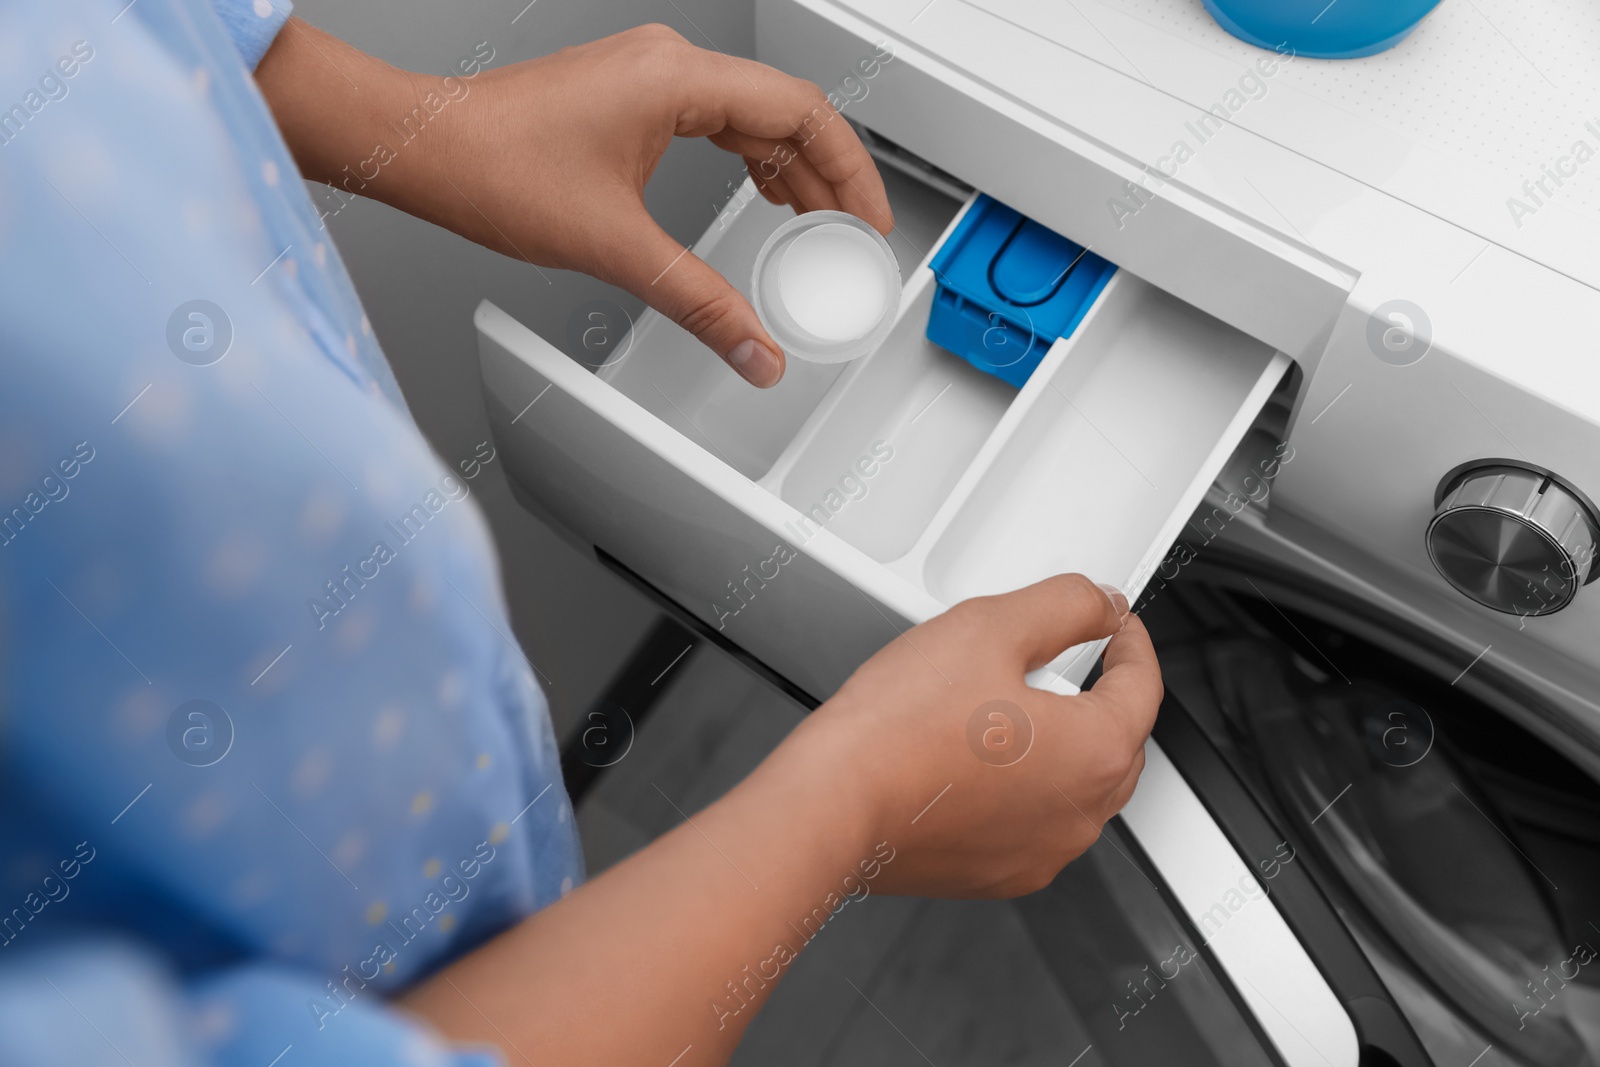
[1513,537]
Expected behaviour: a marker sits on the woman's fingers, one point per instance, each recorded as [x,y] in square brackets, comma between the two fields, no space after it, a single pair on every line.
[1129,687]
[1036,623]
[776,189]
[743,97]
[810,190]
[769,190]
[798,148]
[763,157]
[677,283]
[1124,792]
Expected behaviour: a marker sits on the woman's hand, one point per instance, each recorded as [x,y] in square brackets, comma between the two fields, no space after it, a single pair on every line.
[984,786]
[547,160]
[889,787]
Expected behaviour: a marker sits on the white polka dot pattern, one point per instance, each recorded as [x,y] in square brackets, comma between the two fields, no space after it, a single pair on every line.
[277,754]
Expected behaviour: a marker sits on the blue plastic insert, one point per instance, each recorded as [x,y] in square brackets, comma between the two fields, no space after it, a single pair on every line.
[1008,288]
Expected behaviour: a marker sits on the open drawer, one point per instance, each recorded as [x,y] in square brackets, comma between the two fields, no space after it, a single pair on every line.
[814,522]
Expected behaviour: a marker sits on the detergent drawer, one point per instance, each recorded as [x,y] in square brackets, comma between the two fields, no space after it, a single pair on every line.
[814,522]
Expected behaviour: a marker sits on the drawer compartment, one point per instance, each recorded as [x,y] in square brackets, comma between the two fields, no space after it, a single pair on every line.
[1130,422]
[916,415]
[813,522]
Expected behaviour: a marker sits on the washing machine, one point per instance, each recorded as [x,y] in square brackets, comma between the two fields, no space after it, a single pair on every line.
[1332,419]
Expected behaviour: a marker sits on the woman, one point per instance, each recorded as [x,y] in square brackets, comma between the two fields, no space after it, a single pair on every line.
[278,786]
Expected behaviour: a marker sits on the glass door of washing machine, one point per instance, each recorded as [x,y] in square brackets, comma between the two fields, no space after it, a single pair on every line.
[1460,851]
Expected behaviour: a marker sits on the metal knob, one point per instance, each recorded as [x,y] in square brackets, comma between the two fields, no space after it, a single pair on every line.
[1513,537]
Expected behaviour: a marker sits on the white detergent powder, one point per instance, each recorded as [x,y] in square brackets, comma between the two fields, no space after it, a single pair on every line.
[832,282]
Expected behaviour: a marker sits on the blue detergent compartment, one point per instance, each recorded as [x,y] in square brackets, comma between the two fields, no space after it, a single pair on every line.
[1008,288]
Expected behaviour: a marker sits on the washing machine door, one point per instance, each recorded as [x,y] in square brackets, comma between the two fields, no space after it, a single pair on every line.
[1460,852]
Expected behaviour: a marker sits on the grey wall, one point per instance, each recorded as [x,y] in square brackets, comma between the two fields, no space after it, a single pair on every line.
[420,285]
